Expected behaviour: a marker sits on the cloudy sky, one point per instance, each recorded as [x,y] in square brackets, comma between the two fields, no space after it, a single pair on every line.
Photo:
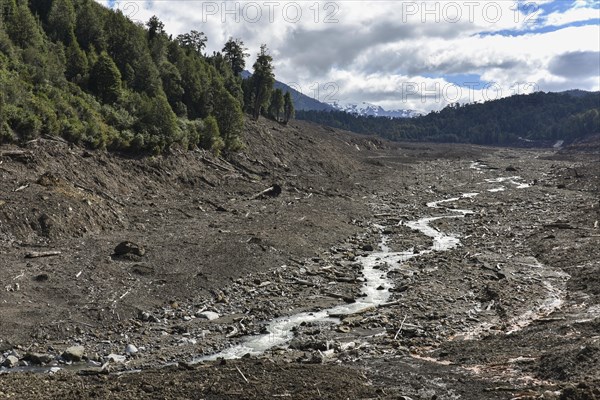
[417,55]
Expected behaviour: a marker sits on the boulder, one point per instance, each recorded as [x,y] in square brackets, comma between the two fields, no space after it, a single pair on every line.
[209,315]
[131,349]
[10,362]
[38,358]
[74,353]
[117,359]
[126,247]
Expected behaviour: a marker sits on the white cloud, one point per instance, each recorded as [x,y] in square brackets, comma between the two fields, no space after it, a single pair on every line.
[372,49]
[572,15]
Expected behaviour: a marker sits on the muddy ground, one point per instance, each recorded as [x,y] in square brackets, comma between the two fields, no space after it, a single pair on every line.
[512,312]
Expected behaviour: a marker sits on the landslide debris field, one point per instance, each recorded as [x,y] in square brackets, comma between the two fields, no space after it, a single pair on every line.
[336,266]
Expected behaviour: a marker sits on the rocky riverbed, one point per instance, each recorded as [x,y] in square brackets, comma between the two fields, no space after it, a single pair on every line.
[379,271]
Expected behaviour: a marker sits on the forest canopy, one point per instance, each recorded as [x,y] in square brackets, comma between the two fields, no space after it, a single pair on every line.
[80,71]
[517,119]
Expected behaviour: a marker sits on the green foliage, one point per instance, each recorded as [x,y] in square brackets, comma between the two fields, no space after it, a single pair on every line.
[276,104]
[24,123]
[80,71]
[7,9]
[288,108]
[22,28]
[105,79]
[61,21]
[6,46]
[235,55]
[77,63]
[535,117]
[262,81]
[194,41]
[89,27]
[211,138]
[230,119]
[157,122]
[172,86]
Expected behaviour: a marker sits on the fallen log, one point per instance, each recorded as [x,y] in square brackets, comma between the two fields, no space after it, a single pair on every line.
[15,153]
[303,282]
[39,254]
[347,299]
[273,191]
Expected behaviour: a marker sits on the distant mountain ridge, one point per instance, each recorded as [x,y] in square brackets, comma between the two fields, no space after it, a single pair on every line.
[302,102]
[365,109]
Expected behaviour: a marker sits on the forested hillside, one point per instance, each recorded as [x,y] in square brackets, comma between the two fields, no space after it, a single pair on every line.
[536,117]
[74,69]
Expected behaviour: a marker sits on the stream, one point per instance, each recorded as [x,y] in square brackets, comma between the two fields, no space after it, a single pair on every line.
[281,330]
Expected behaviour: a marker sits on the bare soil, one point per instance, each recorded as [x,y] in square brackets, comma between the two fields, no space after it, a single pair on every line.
[511,313]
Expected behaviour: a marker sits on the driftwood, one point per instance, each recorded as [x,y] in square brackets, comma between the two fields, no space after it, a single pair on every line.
[400,330]
[218,166]
[303,282]
[99,193]
[345,279]
[185,213]
[22,187]
[347,299]
[15,153]
[22,156]
[392,303]
[273,191]
[38,254]
[56,139]
[242,374]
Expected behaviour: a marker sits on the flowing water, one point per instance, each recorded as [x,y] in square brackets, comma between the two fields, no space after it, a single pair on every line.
[376,290]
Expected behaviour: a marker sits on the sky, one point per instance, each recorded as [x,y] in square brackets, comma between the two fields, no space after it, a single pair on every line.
[420,55]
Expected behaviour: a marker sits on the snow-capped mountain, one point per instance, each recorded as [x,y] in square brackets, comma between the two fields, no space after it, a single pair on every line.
[368,109]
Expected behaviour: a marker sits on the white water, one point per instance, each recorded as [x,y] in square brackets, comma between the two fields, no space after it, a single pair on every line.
[515,180]
[281,329]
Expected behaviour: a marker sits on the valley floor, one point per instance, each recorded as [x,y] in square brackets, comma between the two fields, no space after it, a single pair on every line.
[497,297]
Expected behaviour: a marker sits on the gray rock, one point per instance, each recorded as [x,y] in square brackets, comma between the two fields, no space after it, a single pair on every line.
[10,362]
[38,358]
[131,349]
[209,315]
[74,353]
[116,358]
[127,247]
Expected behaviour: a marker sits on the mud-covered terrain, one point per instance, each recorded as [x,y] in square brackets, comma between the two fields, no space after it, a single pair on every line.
[329,265]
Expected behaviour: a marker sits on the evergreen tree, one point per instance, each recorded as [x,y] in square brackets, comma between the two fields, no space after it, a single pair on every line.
[158,40]
[22,27]
[105,79]
[235,54]
[288,108]
[61,21]
[230,118]
[194,41]
[7,9]
[89,27]
[40,8]
[158,121]
[263,80]
[211,138]
[77,63]
[172,86]
[276,106]
[155,27]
